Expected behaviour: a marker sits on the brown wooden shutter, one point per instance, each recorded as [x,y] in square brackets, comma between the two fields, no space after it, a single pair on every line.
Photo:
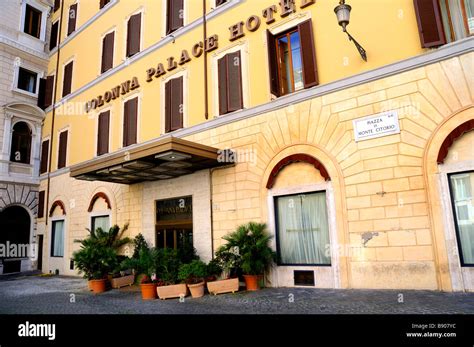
[177,103]
[430,25]
[174,15]
[67,80]
[308,54]
[273,64]
[234,82]
[102,3]
[42,93]
[48,92]
[103,133]
[222,72]
[71,24]
[53,40]
[174,104]
[44,157]
[130,122]
[168,107]
[57,4]
[230,83]
[133,34]
[62,149]
[41,204]
[108,52]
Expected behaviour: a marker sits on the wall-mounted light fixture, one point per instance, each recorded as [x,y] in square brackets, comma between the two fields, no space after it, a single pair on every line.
[343,13]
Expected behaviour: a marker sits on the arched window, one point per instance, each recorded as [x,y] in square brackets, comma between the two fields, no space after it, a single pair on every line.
[21,143]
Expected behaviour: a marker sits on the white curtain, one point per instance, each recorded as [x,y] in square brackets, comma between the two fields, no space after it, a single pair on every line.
[470,14]
[58,242]
[462,186]
[303,231]
[101,222]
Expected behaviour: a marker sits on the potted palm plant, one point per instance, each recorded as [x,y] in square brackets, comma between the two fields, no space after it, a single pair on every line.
[252,242]
[193,275]
[98,255]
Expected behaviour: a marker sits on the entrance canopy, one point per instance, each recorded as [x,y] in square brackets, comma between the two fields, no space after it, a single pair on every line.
[157,160]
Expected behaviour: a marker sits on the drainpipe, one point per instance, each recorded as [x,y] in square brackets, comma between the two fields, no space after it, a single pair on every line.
[212,212]
[53,116]
[206,93]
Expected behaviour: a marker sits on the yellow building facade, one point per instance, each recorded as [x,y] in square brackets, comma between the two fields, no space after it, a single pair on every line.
[186,119]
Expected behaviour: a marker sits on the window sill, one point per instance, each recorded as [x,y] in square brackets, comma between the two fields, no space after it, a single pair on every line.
[20,164]
[24,92]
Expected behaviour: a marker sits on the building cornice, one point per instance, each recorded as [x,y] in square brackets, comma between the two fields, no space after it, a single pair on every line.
[25,49]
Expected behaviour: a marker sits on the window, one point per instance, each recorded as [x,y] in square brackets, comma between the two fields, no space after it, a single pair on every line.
[174,15]
[62,152]
[27,80]
[57,238]
[45,93]
[102,3]
[32,21]
[174,104]
[53,40]
[41,196]
[458,18]
[44,156]
[133,34]
[230,83]
[107,52]
[462,195]
[302,229]
[102,222]
[103,133]
[67,80]
[220,2]
[130,114]
[292,60]
[441,21]
[71,24]
[21,143]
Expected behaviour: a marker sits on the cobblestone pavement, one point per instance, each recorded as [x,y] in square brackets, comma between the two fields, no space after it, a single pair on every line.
[52,295]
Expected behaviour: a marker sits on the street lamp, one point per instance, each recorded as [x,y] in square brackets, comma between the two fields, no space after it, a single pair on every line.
[343,13]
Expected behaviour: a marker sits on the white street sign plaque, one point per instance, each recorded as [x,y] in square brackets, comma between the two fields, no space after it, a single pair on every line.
[382,124]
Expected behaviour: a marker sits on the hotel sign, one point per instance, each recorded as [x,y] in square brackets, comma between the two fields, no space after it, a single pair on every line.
[211,43]
[382,124]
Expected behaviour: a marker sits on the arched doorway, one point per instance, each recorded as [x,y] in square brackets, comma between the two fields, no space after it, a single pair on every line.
[15,225]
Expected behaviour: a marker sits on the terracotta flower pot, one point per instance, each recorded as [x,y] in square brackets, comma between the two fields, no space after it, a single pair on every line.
[197,290]
[98,286]
[148,291]
[251,282]
[223,286]
[172,291]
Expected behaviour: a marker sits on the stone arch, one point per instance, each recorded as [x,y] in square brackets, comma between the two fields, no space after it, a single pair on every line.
[16,194]
[26,108]
[296,158]
[57,204]
[442,137]
[113,194]
[333,171]
[99,195]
